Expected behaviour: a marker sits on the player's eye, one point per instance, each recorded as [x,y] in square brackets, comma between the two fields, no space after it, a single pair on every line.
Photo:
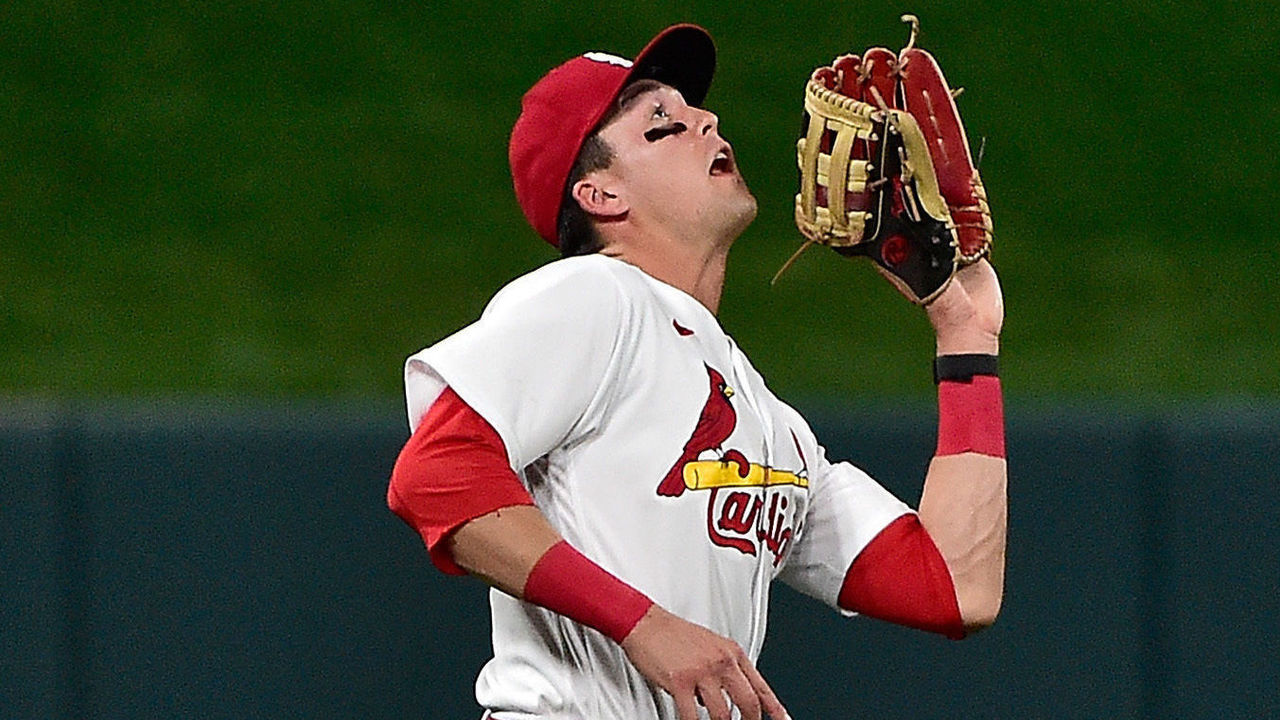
[656,134]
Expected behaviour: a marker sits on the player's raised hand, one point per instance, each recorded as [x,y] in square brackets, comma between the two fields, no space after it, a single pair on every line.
[695,665]
[969,314]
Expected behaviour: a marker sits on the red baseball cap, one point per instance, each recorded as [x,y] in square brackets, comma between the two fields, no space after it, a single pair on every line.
[564,107]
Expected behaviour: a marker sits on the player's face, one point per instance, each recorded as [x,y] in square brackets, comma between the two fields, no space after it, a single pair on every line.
[674,170]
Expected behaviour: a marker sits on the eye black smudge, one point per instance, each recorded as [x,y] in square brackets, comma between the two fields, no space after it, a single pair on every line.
[658,133]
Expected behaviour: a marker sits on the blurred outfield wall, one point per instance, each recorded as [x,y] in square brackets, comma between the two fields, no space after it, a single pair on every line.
[174,561]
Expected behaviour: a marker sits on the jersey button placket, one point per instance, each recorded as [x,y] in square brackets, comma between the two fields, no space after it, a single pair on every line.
[760,584]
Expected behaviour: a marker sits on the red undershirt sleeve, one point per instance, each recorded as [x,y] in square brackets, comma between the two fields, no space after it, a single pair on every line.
[453,469]
[901,577]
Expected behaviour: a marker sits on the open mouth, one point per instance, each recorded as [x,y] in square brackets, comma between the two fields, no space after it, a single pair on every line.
[722,163]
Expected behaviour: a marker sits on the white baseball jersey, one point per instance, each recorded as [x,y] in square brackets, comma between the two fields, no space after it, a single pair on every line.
[651,443]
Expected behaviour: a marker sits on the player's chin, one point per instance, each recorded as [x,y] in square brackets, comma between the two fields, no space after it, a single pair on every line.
[741,212]
[749,204]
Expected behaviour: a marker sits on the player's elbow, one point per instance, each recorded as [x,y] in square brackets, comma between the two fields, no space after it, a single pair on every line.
[978,622]
[978,610]
[399,488]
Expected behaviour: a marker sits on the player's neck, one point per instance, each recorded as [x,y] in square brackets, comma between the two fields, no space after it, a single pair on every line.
[697,270]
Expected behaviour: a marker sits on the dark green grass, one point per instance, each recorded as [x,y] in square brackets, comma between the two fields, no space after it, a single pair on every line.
[286,199]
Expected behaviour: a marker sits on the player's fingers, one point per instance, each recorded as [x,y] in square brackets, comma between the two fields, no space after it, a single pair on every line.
[686,704]
[712,698]
[768,700]
[742,693]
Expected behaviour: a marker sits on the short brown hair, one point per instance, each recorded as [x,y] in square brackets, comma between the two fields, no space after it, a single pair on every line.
[575,229]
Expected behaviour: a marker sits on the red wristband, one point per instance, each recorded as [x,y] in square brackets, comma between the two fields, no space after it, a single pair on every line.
[971,417]
[567,582]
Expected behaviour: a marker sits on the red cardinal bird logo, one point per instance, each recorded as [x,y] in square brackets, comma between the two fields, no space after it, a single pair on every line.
[715,425]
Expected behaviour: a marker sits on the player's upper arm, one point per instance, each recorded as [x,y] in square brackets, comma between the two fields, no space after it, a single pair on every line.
[847,509]
[533,364]
[453,469]
[901,577]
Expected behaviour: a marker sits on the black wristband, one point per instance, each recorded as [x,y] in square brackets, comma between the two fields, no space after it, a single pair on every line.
[964,367]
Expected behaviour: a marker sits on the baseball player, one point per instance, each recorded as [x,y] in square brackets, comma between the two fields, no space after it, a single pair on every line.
[603,454]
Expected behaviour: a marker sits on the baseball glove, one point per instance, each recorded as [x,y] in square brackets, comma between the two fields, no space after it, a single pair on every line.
[883,131]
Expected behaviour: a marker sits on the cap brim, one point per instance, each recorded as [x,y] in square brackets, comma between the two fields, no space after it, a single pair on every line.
[682,56]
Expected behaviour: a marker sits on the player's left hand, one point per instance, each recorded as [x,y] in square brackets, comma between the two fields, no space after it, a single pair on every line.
[886,171]
[968,316]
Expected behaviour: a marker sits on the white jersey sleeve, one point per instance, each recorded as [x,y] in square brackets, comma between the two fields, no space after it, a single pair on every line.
[533,363]
[847,509]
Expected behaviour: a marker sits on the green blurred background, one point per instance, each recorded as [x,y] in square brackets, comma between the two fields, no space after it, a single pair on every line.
[285,199]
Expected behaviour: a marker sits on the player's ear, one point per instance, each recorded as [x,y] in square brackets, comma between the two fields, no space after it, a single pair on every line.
[599,197]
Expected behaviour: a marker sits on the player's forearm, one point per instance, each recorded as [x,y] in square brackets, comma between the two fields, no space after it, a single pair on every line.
[964,508]
[502,547]
[516,550]
[964,502]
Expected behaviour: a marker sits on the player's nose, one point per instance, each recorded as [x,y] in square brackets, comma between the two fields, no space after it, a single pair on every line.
[709,122]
